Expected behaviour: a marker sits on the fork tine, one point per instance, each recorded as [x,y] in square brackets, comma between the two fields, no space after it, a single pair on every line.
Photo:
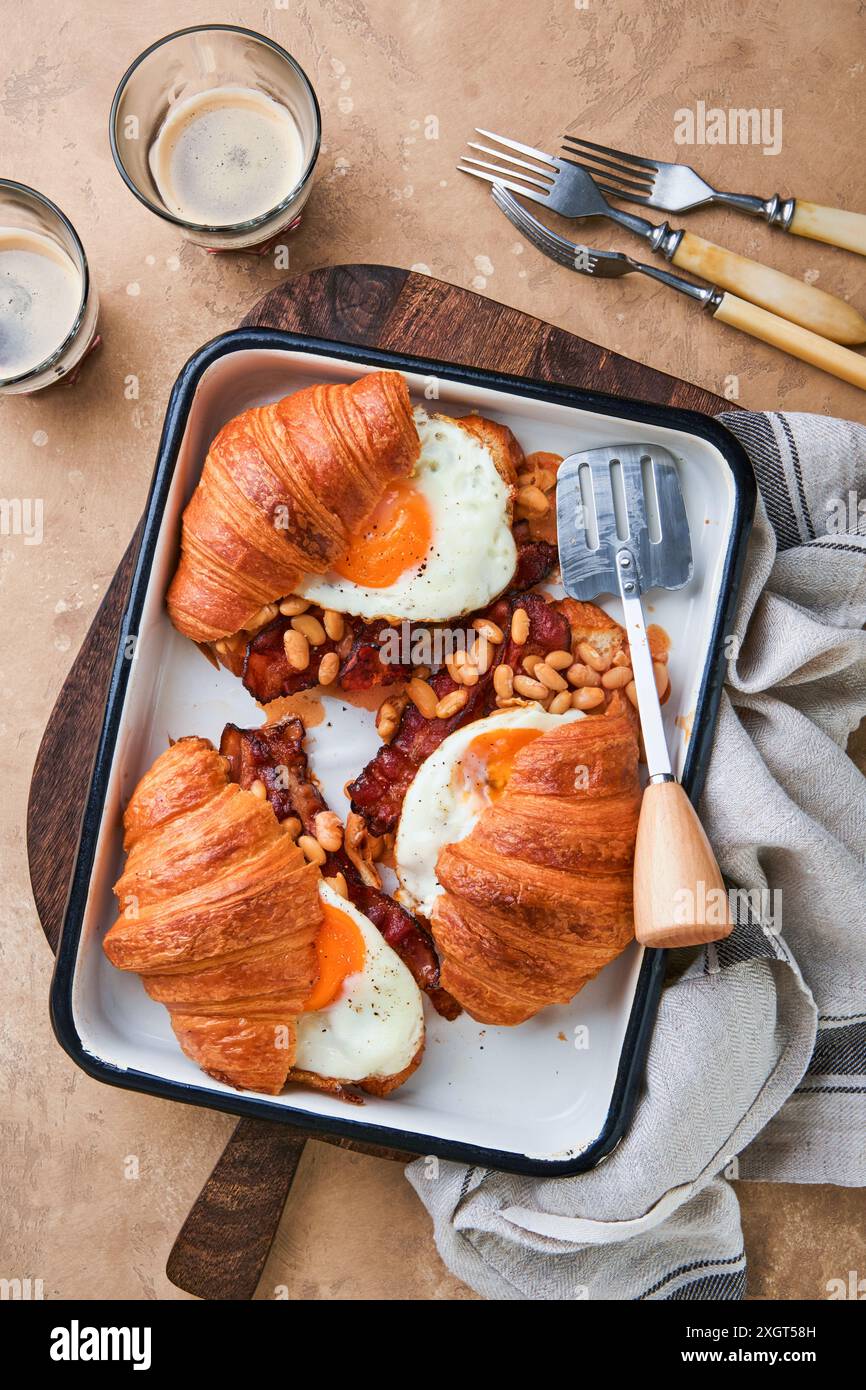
[605,168]
[535,232]
[620,193]
[519,218]
[542,238]
[509,173]
[597,174]
[619,190]
[614,154]
[505,183]
[512,159]
[516,145]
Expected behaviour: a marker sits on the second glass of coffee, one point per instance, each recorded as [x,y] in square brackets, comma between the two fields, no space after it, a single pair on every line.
[217,130]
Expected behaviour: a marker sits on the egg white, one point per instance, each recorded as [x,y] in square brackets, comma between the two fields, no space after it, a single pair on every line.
[437,811]
[472,556]
[375,1025]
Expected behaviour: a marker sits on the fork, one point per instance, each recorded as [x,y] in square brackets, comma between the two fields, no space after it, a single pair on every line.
[727,308]
[569,190]
[678,187]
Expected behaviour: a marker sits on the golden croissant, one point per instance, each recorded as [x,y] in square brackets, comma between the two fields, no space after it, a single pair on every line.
[267,973]
[219,916]
[539,894]
[283,488]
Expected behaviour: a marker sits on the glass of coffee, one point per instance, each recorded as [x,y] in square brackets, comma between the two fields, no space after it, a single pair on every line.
[217,130]
[48,307]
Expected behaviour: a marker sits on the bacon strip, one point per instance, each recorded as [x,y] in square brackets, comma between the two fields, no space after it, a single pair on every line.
[267,674]
[535,559]
[377,793]
[276,756]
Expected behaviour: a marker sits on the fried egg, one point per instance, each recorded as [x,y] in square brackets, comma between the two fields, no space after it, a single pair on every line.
[468,772]
[364,1017]
[438,545]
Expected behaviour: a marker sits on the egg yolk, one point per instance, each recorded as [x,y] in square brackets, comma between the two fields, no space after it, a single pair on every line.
[488,761]
[341,952]
[396,538]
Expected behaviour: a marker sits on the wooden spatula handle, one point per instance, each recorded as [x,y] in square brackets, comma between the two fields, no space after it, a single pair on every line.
[679,895]
[833,225]
[801,303]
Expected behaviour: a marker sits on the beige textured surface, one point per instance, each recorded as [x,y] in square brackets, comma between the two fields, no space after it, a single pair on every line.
[384,193]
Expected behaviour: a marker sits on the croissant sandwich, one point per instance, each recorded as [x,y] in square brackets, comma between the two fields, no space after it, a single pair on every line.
[268,974]
[535,898]
[341,501]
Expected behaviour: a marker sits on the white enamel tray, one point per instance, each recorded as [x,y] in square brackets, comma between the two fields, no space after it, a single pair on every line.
[552,1096]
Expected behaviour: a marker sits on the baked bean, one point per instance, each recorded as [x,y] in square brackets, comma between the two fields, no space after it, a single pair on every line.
[552,679]
[519,626]
[334,625]
[617,678]
[451,704]
[532,689]
[264,615]
[329,668]
[290,607]
[492,631]
[590,697]
[329,830]
[559,660]
[310,627]
[423,696]
[503,681]
[593,658]
[297,649]
[313,852]
[581,675]
[387,719]
[561,702]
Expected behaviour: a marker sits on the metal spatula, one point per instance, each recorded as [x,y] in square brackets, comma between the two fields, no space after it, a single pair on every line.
[623,530]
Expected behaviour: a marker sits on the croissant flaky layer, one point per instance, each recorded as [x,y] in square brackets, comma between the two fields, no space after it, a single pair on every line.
[539,895]
[283,488]
[219,916]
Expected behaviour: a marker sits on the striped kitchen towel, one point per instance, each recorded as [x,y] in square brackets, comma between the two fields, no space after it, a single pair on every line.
[757,1067]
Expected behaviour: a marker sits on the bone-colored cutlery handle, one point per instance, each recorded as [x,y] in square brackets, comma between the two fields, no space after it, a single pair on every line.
[833,225]
[679,894]
[791,338]
[804,304]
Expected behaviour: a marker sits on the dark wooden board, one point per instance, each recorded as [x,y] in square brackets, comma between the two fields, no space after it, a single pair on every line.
[225,1240]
